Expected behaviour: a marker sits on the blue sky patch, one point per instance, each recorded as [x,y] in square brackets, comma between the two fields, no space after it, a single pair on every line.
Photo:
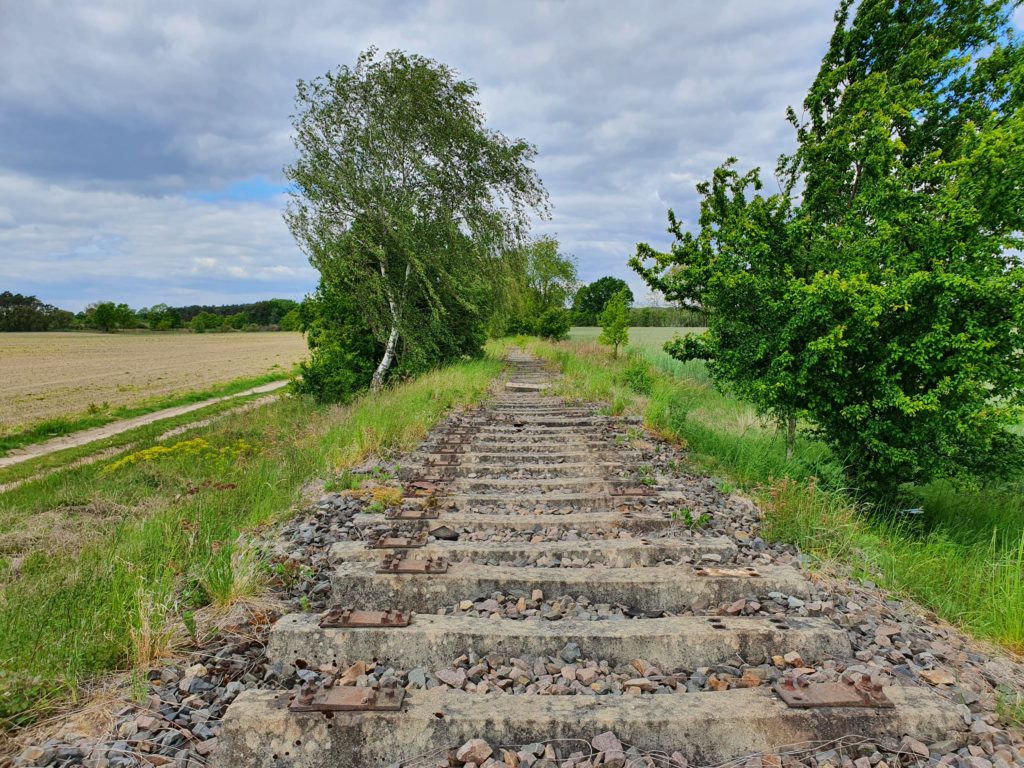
[253,189]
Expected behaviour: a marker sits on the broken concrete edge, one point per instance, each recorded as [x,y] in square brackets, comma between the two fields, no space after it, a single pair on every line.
[671,643]
[712,727]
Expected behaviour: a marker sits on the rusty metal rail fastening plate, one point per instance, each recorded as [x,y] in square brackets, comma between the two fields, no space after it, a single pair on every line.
[398,563]
[746,572]
[347,617]
[838,694]
[398,542]
[445,462]
[412,514]
[421,487]
[630,491]
[346,698]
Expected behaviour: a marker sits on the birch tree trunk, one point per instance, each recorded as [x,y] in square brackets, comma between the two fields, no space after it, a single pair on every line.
[377,382]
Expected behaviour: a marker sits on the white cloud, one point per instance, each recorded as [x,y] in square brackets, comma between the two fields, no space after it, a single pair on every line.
[113,114]
[89,245]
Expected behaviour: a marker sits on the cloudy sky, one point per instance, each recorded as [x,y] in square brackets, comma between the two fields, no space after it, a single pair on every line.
[142,142]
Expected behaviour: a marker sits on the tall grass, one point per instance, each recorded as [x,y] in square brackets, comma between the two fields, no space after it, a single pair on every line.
[962,557]
[164,538]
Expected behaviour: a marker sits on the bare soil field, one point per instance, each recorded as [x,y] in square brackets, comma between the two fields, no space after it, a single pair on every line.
[46,375]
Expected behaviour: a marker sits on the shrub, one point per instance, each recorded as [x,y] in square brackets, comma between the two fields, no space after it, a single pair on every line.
[638,377]
[554,324]
[343,352]
[614,321]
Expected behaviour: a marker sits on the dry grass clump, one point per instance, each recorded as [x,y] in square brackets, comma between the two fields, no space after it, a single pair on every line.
[154,635]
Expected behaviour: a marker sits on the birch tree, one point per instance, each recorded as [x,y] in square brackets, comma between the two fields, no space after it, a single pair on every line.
[401,194]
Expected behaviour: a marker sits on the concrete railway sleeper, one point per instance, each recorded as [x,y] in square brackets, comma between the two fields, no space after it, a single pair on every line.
[537,585]
[655,588]
[258,731]
[599,521]
[616,553]
[671,643]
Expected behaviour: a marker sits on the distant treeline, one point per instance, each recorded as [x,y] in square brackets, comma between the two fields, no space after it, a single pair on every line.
[27,313]
[589,301]
[666,317]
[269,312]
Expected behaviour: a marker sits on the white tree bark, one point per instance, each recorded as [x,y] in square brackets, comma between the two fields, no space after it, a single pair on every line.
[385,362]
[377,382]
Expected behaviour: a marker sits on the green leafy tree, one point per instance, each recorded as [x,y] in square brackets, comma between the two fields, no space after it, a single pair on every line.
[237,321]
[550,276]
[888,272]
[539,278]
[160,317]
[268,312]
[342,350]
[206,321]
[292,321]
[27,313]
[590,299]
[107,316]
[405,201]
[614,321]
[554,324]
[738,266]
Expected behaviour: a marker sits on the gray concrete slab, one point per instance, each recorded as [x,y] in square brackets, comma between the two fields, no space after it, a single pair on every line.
[637,522]
[531,457]
[554,496]
[673,643]
[616,553]
[469,469]
[594,483]
[526,386]
[513,487]
[708,728]
[660,588]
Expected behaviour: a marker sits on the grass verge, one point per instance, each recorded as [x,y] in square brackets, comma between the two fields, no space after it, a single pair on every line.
[65,425]
[148,537]
[141,435]
[959,553]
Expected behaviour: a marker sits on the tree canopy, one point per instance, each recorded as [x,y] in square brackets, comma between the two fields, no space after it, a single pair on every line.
[879,295]
[614,320]
[590,299]
[405,201]
[550,276]
[27,313]
[107,316]
[540,282]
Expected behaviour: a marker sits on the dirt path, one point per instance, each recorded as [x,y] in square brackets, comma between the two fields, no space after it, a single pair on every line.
[106,453]
[87,436]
